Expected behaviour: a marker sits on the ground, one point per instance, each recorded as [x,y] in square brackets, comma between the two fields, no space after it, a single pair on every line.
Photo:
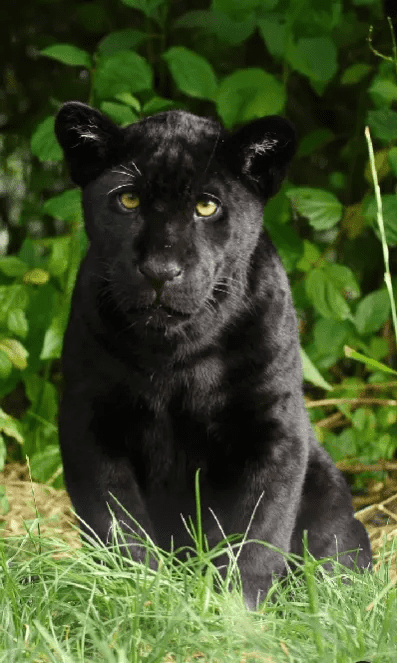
[27,500]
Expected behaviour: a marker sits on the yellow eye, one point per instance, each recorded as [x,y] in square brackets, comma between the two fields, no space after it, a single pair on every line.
[206,207]
[129,200]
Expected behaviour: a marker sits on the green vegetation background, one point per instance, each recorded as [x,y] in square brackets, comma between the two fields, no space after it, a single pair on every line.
[310,60]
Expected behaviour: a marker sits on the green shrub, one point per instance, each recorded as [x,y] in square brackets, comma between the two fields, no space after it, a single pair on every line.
[236,60]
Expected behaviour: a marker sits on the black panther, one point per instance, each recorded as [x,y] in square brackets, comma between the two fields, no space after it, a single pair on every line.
[182,350]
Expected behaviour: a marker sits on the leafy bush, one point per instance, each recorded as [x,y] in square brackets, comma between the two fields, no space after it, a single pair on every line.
[236,60]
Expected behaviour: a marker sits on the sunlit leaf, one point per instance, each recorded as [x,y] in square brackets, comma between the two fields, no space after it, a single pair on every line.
[311,373]
[315,57]
[43,143]
[37,276]
[66,206]
[17,322]
[371,363]
[192,73]
[68,54]
[119,113]
[16,352]
[124,71]
[321,208]
[247,94]
[372,312]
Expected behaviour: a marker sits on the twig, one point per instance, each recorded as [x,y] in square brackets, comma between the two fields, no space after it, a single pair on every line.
[392,58]
[332,421]
[378,386]
[352,401]
[381,465]
[374,51]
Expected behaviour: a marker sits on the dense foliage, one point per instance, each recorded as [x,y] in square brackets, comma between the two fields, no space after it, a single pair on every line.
[308,59]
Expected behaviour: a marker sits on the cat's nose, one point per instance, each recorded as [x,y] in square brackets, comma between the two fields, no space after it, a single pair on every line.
[159,272]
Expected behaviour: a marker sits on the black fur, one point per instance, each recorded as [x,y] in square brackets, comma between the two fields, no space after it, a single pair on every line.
[182,349]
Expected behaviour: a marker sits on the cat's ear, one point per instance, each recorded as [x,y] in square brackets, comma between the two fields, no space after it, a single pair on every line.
[90,140]
[262,151]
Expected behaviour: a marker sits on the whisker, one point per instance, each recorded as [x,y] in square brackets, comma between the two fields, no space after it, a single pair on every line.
[213,152]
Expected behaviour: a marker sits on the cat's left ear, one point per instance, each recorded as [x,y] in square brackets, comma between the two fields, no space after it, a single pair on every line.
[262,151]
[90,140]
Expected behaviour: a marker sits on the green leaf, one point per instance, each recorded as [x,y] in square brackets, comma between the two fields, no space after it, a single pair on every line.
[5,365]
[12,266]
[68,54]
[44,464]
[342,446]
[226,29]
[378,347]
[383,123]
[16,352]
[17,322]
[247,94]
[43,143]
[147,7]
[371,363]
[372,312]
[128,99]
[310,372]
[274,31]
[58,262]
[330,335]
[12,296]
[355,73]
[344,280]
[43,396]
[311,255]
[392,157]
[42,307]
[158,105]
[239,11]
[383,92]
[121,40]
[191,72]
[325,291]
[322,208]
[314,140]
[119,113]
[315,57]
[37,276]
[289,244]
[29,251]
[124,71]
[4,503]
[10,426]
[315,17]
[389,213]
[66,206]
[53,339]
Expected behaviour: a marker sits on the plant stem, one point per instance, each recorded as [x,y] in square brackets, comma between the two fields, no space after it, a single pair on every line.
[381,225]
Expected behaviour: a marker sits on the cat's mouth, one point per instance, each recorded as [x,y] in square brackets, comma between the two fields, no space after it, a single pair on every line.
[171,312]
[163,316]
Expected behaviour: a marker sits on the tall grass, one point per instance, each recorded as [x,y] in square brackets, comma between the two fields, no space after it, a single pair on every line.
[95,605]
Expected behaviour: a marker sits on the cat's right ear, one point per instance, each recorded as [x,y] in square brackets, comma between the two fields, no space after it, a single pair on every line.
[90,140]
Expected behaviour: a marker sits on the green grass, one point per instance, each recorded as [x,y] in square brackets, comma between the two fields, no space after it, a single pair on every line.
[95,606]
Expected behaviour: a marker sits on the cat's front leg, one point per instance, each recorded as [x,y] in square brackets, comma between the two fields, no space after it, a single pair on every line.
[100,478]
[264,512]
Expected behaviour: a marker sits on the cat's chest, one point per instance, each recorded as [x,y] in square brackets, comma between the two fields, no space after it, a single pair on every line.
[176,420]
[194,389]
